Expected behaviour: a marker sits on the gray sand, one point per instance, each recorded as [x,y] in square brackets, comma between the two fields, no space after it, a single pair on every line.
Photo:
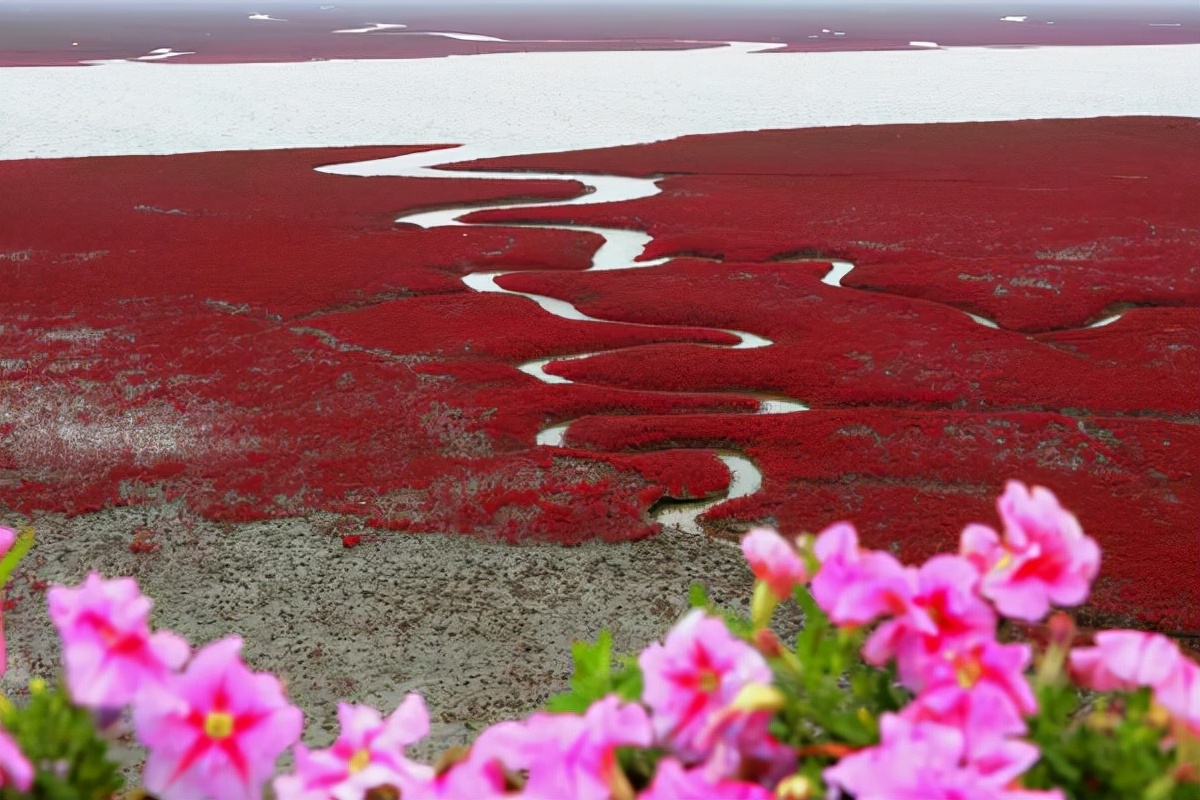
[482,630]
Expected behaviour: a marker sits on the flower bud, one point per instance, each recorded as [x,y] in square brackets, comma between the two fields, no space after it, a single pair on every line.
[619,786]
[1062,629]
[1158,716]
[762,605]
[767,642]
[1102,721]
[774,561]
[794,787]
[758,697]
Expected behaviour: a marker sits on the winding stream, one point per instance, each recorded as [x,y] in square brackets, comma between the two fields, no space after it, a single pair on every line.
[620,250]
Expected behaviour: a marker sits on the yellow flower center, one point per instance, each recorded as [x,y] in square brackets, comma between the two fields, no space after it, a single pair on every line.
[1004,561]
[709,681]
[218,725]
[969,673]
[358,762]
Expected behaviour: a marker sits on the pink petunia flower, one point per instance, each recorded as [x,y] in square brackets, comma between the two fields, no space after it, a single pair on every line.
[108,650]
[774,561]
[1044,558]
[739,745]
[940,612]
[853,585]
[1179,694]
[214,731]
[368,753]
[475,777]
[927,761]
[567,755]
[1124,660]
[981,690]
[696,672]
[673,782]
[15,769]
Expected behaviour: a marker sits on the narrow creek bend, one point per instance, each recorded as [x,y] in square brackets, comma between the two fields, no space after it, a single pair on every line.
[619,250]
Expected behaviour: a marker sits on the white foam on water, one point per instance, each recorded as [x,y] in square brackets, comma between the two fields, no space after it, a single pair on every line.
[781,406]
[984,321]
[537,367]
[374,26]
[163,53]
[554,435]
[466,37]
[519,103]
[837,271]
[1109,320]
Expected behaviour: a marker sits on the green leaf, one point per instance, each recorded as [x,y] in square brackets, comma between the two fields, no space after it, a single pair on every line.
[593,662]
[50,730]
[593,677]
[13,557]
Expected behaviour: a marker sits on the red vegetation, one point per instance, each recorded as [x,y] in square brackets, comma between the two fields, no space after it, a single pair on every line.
[174,328]
[144,541]
[255,339]
[69,35]
[1058,221]
[50,33]
[839,347]
[261,229]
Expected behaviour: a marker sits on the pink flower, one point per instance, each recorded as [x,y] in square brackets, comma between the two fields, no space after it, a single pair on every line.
[940,611]
[108,650]
[1180,694]
[214,731]
[475,777]
[368,753]
[854,586]
[774,561]
[1044,558]
[981,690]
[567,755]
[927,761]
[673,782]
[698,671]
[739,745]
[1124,660]
[15,769]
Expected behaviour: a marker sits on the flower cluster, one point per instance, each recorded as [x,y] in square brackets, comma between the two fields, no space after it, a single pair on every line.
[898,687]
[1124,660]
[971,694]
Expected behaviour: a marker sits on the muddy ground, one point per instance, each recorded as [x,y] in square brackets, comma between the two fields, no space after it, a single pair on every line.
[482,630]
